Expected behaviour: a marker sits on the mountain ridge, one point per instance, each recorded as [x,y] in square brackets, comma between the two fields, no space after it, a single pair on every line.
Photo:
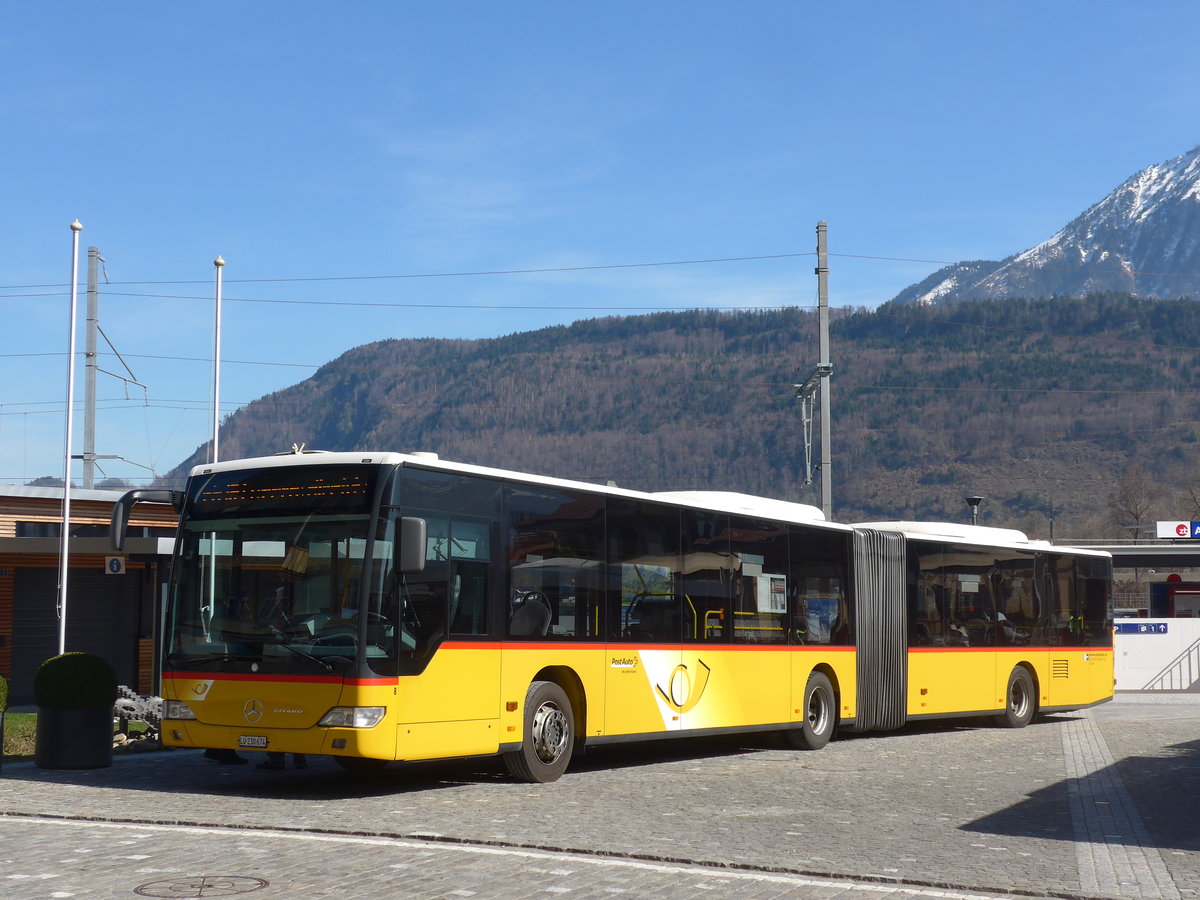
[1033,403]
[1039,380]
[1143,238]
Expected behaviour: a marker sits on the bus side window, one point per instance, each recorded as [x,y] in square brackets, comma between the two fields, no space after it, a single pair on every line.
[643,553]
[1094,601]
[552,552]
[468,598]
[707,574]
[821,612]
[761,583]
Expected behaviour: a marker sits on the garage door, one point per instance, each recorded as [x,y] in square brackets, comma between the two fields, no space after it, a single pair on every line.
[102,618]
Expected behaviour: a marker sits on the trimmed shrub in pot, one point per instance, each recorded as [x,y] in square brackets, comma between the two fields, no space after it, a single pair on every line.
[74,693]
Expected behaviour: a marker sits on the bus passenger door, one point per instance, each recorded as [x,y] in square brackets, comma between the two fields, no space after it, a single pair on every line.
[452,707]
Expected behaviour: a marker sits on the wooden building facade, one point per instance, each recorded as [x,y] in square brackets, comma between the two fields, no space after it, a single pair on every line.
[114,601]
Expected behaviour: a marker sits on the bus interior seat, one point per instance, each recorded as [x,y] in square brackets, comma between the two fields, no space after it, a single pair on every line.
[657,621]
[531,618]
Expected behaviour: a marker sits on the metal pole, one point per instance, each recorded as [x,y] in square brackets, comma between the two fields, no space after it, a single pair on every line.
[64,557]
[822,272]
[89,356]
[218,264]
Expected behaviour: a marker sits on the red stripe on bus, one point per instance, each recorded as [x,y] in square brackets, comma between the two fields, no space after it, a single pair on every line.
[1010,649]
[542,646]
[289,679]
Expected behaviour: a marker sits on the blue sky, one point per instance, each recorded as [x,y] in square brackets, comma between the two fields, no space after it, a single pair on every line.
[314,146]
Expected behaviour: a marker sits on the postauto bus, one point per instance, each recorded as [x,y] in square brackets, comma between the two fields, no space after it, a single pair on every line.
[385,606]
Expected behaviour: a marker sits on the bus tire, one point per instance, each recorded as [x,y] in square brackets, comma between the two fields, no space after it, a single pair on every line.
[1020,700]
[548,739]
[820,715]
[361,765]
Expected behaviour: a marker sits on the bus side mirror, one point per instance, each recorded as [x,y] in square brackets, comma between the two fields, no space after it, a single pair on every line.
[120,514]
[410,555]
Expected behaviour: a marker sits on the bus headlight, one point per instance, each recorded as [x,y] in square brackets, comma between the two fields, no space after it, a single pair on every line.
[177,709]
[352,717]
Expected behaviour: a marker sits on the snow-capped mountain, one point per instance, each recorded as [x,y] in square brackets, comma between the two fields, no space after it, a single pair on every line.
[1143,238]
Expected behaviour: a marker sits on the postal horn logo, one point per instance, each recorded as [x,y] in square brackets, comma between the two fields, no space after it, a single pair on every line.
[683,690]
[253,710]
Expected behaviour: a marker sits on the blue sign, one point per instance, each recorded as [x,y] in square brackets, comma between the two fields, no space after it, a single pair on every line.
[1196,529]
[1141,627]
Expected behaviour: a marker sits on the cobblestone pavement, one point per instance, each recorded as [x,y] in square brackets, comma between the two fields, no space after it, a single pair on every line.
[62,859]
[1100,804]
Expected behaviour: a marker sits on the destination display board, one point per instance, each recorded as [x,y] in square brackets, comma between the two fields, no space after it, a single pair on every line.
[274,490]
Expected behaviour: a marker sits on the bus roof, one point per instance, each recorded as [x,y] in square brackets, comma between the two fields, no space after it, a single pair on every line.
[953,532]
[716,501]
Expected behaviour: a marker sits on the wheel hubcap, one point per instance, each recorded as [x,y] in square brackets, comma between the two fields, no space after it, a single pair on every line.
[818,712]
[549,732]
[1017,699]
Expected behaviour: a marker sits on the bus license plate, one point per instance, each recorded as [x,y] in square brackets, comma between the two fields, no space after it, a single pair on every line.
[252,740]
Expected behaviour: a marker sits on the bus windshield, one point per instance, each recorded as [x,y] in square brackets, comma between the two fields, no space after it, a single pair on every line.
[269,569]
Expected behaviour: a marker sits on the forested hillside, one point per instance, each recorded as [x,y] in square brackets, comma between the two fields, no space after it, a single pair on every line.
[1038,405]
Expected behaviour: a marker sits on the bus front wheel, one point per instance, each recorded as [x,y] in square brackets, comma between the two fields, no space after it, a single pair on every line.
[549,735]
[820,715]
[1021,700]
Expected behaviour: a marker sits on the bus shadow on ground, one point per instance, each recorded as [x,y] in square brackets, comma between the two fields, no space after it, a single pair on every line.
[187,772]
[1163,789]
[682,749]
[946,726]
[327,781]
[609,757]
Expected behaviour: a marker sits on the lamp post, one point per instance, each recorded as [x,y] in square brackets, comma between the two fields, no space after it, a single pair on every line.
[214,452]
[64,557]
[218,265]
[974,502]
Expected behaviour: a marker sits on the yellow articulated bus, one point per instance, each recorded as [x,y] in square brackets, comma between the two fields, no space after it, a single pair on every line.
[383,606]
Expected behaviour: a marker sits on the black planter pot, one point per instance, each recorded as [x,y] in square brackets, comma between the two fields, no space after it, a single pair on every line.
[74,738]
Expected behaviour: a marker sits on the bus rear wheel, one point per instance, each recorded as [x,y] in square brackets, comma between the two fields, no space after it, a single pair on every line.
[549,735]
[1021,700]
[820,715]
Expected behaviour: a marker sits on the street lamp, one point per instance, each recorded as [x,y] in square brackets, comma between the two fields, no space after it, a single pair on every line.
[974,502]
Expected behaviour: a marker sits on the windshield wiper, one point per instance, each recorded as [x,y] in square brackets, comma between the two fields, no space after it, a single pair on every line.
[320,662]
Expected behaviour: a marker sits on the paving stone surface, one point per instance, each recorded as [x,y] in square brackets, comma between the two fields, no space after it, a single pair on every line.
[1096,804]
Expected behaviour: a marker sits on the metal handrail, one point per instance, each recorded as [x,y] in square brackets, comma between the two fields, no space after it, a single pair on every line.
[1190,656]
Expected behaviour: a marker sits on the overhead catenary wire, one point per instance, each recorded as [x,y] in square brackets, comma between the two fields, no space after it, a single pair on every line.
[598,267]
[584,308]
[544,270]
